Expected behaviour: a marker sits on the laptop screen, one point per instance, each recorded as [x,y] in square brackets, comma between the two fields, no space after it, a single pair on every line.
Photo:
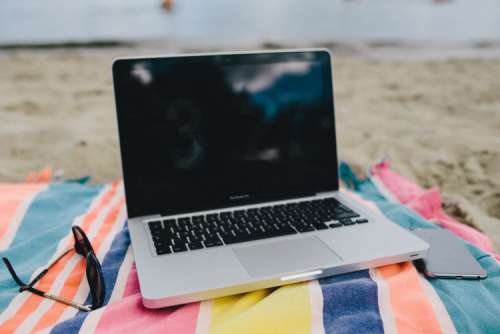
[206,132]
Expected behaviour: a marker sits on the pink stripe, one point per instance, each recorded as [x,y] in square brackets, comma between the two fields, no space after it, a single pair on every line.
[427,203]
[168,320]
[132,286]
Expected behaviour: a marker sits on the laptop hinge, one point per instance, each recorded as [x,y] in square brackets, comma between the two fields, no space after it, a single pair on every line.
[142,218]
[326,193]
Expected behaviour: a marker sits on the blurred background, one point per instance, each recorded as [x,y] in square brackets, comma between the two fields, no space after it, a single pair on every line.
[416,81]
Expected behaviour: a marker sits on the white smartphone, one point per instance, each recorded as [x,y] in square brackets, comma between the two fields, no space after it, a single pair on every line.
[447,256]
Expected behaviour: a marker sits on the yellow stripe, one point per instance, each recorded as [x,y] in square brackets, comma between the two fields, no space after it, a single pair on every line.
[284,310]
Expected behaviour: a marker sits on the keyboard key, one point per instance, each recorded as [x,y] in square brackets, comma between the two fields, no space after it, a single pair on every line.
[212,242]
[304,228]
[195,245]
[198,219]
[361,221]
[163,250]
[344,208]
[212,218]
[226,214]
[160,244]
[155,225]
[169,222]
[321,226]
[239,213]
[334,225]
[347,215]
[177,248]
[346,222]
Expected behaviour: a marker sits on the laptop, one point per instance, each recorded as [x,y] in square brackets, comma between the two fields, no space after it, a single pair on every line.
[230,173]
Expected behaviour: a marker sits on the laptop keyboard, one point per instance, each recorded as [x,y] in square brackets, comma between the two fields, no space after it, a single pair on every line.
[230,227]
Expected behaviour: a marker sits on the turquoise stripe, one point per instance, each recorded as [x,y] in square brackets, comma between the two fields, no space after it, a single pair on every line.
[47,220]
[474,306]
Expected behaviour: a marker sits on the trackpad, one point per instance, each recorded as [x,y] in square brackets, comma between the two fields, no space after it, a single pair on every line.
[286,256]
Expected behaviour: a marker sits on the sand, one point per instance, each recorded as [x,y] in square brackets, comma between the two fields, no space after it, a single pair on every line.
[437,120]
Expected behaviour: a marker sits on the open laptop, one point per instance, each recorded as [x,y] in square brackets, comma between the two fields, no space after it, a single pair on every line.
[230,170]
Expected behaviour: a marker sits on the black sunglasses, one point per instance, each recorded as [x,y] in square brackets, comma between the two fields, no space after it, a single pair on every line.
[93,271]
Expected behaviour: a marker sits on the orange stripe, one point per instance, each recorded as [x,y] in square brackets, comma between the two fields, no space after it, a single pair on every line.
[33,301]
[13,196]
[412,310]
[45,175]
[72,283]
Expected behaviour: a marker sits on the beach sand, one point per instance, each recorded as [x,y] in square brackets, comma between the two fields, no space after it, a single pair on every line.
[438,121]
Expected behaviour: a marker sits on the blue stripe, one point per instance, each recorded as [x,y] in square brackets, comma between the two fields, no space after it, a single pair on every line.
[351,304]
[110,267]
[46,222]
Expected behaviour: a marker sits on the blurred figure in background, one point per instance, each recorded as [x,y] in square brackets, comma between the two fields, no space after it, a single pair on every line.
[167,4]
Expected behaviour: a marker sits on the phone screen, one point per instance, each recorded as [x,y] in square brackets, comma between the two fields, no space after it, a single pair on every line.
[448,257]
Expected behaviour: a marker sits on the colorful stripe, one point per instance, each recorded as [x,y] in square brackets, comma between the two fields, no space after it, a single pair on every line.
[317,306]
[442,315]
[412,311]
[384,302]
[43,176]
[350,297]
[282,310]
[14,203]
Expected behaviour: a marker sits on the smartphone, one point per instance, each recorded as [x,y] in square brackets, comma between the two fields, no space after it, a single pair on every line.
[447,256]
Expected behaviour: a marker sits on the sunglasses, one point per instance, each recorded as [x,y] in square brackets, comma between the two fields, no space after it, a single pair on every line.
[93,271]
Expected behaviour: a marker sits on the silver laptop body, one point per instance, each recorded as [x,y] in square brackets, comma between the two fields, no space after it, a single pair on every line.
[186,155]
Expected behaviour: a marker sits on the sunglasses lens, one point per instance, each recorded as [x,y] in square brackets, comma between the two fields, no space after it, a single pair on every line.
[96,280]
[82,243]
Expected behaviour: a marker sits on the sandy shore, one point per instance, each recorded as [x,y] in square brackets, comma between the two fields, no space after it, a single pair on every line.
[438,121]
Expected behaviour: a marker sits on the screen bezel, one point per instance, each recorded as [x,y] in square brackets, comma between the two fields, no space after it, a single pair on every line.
[323,55]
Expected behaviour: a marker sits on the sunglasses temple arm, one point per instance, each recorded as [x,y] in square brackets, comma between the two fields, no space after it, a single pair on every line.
[81,307]
[43,272]
[57,260]
[13,273]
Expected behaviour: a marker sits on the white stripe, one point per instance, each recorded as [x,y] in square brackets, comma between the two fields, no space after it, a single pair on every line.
[45,331]
[204,317]
[14,306]
[122,278]
[384,302]
[92,320]
[90,323]
[442,314]
[316,301]
[368,204]
[382,189]
[15,223]
[21,298]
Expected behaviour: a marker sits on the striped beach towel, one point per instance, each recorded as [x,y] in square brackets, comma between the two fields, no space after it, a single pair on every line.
[35,222]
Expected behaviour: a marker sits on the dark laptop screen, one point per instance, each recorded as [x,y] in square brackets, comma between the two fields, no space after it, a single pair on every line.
[204,132]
